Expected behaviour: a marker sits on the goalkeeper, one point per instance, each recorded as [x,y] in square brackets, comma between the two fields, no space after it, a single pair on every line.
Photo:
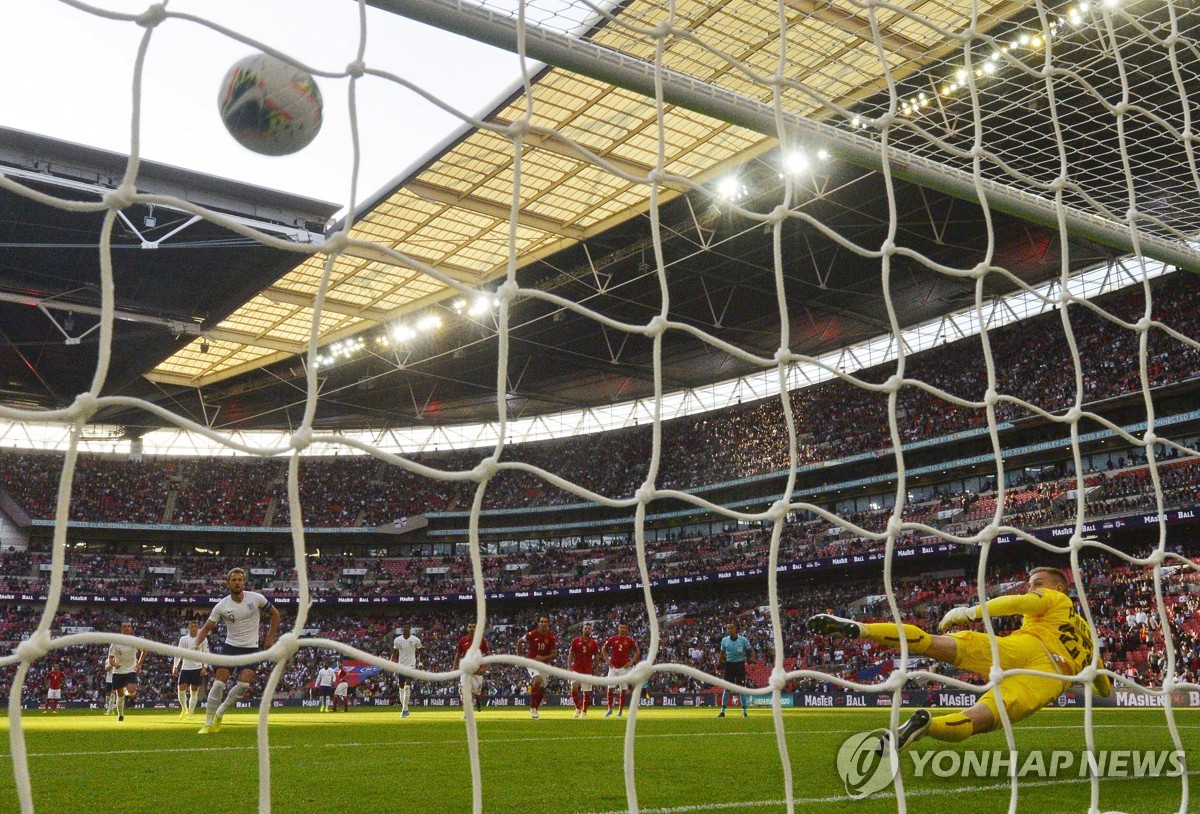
[1053,638]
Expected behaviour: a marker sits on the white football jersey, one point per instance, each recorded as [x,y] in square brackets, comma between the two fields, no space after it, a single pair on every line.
[189,643]
[241,618]
[406,650]
[325,677]
[126,657]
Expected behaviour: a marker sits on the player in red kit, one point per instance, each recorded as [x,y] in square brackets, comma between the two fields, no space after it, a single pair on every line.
[620,652]
[341,683]
[540,645]
[584,650]
[477,687]
[54,684]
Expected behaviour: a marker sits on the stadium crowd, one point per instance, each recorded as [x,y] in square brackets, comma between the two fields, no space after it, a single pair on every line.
[542,563]
[1120,595]
[834,419]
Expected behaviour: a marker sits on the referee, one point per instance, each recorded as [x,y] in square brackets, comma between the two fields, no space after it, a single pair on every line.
[735,649]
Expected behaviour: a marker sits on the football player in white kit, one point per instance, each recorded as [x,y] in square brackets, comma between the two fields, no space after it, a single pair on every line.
[110,693]
[126,662]
[189,674]
[405,652]
[325,678]
[240,612]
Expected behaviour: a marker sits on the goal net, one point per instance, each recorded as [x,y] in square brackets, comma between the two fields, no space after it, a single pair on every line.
[1070,121]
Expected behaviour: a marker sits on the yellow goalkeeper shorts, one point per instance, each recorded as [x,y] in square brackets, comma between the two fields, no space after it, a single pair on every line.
[1022,694]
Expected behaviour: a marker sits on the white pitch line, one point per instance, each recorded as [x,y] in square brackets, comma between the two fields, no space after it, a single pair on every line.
[846,799]
[485,741]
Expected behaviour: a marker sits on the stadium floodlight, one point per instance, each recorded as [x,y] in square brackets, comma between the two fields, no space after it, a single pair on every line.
[429,322]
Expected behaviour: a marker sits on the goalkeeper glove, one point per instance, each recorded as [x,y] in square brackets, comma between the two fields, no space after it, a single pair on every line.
[955,617]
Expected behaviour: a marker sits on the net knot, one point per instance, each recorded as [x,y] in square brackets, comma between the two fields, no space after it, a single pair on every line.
[508,290]
[1121,108]
[656,326]
[888,248]
[1168,684]
[1058,184]
[518,129]
[996,675]
[1087,675]
[991,397]
[85,403]
[1157,557]
[121,197]
[895,681]
[485,469]
[35,647]
[646,493]
[656,176]
[779,679]
[153,15]
[1151,438]
[641,673]
[289,643]
[471,661]
[779,510]
[356,69]
[661,31]
[301,438]
[1142,325]
[1074,414]
[895,525]
[334,244]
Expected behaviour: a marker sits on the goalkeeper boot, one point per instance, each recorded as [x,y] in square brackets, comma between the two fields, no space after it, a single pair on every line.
[205,730]
[216,724]
[909,732]
[827,624]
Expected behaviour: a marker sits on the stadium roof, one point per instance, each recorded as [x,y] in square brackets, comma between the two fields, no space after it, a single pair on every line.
[225,337]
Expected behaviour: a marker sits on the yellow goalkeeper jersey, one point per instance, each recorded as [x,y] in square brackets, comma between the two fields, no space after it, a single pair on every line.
[1050,617]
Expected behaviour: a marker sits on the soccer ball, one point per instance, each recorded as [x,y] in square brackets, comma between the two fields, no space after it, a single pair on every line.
[269,106]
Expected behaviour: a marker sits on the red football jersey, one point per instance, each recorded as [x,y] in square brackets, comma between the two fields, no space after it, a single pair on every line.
[341,675]
[464,644]
[539,645]
[620,650]
[583,654]
[55,679]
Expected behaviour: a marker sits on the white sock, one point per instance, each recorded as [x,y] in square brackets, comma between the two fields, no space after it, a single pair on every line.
[404,696]
[182,694]
[239,689]
[193,699]
[120,705]
[214,700]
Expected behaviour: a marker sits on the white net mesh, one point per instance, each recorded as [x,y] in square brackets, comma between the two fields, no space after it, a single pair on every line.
[1075,116]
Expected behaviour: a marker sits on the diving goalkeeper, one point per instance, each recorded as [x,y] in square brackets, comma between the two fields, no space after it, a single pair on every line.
[1053,638]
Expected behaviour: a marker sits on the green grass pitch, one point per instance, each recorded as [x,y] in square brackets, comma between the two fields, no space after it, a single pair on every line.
[687,761]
